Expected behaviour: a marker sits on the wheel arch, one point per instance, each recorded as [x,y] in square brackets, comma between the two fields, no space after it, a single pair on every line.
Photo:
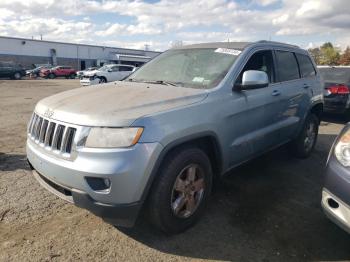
[206,141]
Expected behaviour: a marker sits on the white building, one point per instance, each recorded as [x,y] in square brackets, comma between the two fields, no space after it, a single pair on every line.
[80,56]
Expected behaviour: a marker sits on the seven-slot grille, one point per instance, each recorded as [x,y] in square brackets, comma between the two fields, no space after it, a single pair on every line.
[51,135]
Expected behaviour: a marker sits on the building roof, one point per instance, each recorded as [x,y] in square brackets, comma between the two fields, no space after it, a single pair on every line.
[76,44]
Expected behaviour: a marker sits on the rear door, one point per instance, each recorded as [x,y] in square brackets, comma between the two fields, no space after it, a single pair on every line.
[295,93]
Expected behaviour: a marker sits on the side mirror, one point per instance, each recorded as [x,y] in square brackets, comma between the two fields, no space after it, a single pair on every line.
[253,79]
[109,70]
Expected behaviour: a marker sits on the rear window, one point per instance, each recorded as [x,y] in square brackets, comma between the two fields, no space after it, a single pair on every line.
[338,75]
[287,66]
[306,67]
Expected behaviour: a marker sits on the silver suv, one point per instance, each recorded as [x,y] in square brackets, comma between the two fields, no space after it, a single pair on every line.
[159,138]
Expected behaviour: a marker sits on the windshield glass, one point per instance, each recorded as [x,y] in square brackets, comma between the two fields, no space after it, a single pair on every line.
[196,68]
[105,68]
[338,75]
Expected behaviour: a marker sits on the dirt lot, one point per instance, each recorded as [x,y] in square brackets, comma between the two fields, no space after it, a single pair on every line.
[267,210]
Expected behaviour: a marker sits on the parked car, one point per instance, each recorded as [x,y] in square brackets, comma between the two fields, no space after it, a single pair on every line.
[11,70]
[58,71]
[337,83]
[107,73]
[82,72]
[36,71]
[158,138]
[336,191]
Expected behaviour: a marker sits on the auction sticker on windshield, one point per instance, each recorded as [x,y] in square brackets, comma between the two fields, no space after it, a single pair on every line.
[228,51]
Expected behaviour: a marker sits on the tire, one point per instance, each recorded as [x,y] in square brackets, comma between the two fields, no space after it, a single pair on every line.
[17,76]
[304,144]
[72,76]
[168,208]
[102,80]
[51,76]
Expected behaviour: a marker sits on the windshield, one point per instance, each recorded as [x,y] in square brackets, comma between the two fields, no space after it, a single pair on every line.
[105,68]
[196,68]
[338,75]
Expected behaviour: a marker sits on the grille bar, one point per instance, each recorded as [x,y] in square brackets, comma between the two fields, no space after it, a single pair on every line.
[51,135]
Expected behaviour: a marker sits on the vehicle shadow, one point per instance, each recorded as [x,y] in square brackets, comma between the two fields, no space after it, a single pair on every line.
[266,210]
[11,162]
[332,118]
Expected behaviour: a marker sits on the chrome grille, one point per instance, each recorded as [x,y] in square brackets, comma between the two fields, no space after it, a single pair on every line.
[51,135]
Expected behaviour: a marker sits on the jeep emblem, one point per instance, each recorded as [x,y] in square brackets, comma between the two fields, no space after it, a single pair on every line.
[48,113]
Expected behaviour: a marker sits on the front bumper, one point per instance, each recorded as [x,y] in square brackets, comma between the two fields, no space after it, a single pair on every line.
[89,82]
[128,170]
[337,188]
[339,214]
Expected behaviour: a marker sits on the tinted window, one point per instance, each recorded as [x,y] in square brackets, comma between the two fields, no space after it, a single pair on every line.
[125,68]
[287,66]
[338,75]
[306,67]
[260,61]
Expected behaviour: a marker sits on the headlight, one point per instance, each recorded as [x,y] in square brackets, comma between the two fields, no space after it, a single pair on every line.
[342,148]
[113,137]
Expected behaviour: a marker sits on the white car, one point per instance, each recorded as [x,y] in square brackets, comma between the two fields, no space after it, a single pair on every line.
[107,73]
[83,72]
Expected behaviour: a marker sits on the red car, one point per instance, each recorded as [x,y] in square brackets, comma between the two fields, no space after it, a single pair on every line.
[58,71]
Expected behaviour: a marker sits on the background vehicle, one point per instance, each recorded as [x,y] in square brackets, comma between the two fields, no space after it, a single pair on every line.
[36,71]
[160,137]
[107,73]
[336,191]
[337,84]
[82,72]
[58,71]
[11,70]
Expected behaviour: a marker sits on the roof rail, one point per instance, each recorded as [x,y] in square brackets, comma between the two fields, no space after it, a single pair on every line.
[275,42]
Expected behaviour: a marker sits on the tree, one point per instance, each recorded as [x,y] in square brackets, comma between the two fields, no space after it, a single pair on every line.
[329,54]
[345,57]
[316,54]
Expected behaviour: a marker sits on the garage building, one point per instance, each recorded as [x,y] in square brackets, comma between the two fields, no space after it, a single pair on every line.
[29,52]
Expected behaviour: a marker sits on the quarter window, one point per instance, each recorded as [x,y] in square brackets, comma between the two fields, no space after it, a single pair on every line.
[306,67]
[287,66]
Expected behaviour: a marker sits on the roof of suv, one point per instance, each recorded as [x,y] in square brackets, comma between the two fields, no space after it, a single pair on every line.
[233,45]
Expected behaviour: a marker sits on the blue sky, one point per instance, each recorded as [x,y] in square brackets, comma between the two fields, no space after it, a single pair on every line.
[163,23]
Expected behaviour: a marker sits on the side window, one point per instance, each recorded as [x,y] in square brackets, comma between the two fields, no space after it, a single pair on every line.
[115,68]
[125,68]
[306,67]
[261,61]
[287,66]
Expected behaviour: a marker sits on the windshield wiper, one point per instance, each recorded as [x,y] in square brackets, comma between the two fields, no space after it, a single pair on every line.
[157,82]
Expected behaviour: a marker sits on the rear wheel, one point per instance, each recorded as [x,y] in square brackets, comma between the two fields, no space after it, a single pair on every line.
[17,76]
[304,144]
[51,76]
[181,191]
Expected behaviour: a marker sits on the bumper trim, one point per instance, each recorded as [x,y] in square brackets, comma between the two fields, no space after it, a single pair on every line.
[124,215]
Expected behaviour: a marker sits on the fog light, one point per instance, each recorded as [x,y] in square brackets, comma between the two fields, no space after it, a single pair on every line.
[98,184]
[107,182]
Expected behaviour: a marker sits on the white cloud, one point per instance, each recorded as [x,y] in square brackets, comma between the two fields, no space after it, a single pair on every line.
[191,21]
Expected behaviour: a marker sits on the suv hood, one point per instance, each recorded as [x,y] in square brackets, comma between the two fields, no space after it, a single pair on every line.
[115,104]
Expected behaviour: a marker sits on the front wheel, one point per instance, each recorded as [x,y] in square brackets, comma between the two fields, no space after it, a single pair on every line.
[181,191]
[102,80]
[51,76]
[304,144]
[72,76]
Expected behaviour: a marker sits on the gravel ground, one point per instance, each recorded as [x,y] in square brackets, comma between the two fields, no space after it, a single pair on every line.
[266,210]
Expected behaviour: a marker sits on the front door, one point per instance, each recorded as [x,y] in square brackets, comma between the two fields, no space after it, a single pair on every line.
[256,112]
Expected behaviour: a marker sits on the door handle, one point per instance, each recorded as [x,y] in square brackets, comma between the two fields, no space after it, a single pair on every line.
[276,93]
[306,86]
